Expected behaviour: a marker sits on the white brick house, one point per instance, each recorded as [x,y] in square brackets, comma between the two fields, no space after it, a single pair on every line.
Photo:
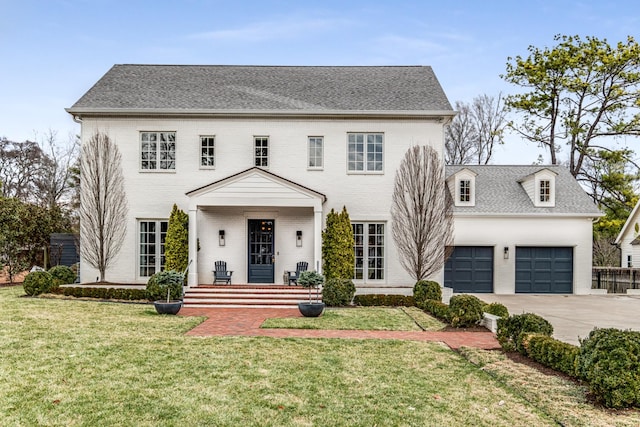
[258,156]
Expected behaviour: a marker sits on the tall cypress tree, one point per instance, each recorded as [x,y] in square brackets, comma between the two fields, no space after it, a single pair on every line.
[176,246]
[337,246]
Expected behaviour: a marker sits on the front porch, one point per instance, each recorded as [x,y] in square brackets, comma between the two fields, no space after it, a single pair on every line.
[260,224]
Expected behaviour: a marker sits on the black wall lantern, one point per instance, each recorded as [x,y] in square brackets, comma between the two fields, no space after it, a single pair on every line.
[221,237]
[299,238]
[506,252]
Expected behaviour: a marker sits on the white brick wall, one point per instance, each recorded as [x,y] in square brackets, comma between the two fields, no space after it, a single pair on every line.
[151,195]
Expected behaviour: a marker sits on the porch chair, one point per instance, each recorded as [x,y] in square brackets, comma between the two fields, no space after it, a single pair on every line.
[294,275]
[221,274]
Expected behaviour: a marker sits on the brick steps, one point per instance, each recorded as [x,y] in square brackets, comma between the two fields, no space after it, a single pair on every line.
[246,296]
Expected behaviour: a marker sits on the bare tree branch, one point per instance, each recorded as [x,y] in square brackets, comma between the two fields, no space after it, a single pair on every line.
[422,211]
[103,204]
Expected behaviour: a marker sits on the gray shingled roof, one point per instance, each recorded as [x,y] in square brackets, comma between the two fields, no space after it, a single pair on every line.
[220,88]
[499,192]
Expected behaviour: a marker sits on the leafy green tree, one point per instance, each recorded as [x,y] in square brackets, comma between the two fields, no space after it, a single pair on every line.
[176,246]
[12,259]
[338,257]
[577,93]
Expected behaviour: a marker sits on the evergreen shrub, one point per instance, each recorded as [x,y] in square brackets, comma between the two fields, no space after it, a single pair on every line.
[465,310]
[37,282]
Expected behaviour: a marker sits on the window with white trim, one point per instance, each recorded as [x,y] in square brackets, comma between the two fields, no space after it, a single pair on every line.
[157,150]
[261,146]
[369,250]
[151,239]
[545,190]
[316,151]
[365,152]
[465,190]
[207,152]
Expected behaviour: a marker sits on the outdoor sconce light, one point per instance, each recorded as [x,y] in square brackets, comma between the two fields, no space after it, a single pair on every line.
[299,238]
[221,237]
[506,252]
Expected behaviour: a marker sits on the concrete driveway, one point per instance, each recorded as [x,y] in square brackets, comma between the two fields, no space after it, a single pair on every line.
[574,316]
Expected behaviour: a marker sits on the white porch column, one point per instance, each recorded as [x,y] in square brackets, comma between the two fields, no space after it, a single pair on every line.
[317,238]
[192,277]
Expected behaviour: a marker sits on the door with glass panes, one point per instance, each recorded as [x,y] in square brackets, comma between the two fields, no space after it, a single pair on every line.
[369,251]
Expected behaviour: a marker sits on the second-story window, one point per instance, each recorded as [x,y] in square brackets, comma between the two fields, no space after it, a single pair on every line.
[261,147]
[157,150]
[465,190]
[315,152]
[365,152]
[545,190]
[207,151]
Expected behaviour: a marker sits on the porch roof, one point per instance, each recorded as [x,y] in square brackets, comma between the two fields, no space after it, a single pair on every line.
[255,187]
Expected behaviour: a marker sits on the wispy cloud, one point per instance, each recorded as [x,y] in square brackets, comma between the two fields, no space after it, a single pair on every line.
[285,28]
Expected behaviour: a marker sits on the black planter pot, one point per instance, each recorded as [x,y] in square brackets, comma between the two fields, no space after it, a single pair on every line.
[311,309]
[164,307]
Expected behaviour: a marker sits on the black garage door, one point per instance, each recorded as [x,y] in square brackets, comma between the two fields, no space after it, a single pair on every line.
[470,269]
[544,270]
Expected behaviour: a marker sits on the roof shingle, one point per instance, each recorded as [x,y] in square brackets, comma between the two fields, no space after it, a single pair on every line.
[265,88]
[498,191]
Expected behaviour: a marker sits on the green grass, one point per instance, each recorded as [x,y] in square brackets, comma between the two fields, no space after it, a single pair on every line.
[362,318]
[85,363]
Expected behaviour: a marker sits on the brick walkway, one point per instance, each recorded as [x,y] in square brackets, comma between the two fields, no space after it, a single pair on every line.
[247,321]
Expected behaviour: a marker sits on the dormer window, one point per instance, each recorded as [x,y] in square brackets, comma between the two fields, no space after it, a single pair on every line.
[463,187]
[541,187]
[465,190]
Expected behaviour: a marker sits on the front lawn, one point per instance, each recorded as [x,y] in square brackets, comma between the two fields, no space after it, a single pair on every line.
[362,318]
[90,363]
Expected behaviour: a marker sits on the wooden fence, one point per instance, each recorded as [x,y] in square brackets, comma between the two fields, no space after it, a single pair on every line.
[616,280]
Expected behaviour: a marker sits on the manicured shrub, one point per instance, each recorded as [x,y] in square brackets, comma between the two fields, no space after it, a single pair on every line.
[338,292]
[437,309]
[62,275]
[176,247]
[338,258]
[465,310]
[103,293]
[610,362]
[552,353]
[379,300]
[161,282]
[37,282]
[511,330]
[496,309]
[425,290]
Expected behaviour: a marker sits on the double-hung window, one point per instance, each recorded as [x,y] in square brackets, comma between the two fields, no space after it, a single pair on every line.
[465,190]
[545,190]
[365,152]
[261,147]
[316,144]
[151,236]
[157,150]
[207,152]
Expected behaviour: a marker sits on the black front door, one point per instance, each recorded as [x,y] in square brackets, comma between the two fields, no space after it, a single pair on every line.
[261,250]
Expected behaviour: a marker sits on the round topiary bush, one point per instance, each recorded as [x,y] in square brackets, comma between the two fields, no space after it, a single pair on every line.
[465,310]
[425,290]
[338,292]
[609,360]
[512,330]
[496,309]
[37,282]
[161,282]
[62,275]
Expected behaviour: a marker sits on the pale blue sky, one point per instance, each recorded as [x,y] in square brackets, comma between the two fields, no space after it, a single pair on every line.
[52,51]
